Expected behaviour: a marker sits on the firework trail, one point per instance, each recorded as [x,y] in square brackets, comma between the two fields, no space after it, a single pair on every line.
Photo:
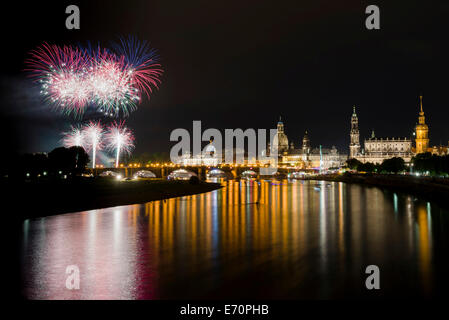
[74,137]
[119,139]
[93,133]
[74,78]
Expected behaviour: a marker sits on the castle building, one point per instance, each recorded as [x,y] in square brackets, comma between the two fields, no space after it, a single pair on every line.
[306,143]
[376,150]
[422,133]
[354,146]
[422,141]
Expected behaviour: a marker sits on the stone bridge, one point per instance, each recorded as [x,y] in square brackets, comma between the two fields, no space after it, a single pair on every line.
[201,171]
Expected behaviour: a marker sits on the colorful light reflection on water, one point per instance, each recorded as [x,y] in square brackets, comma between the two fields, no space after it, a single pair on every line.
[288,239]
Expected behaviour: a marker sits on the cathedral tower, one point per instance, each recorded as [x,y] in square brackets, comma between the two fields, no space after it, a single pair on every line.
[354,146]
[305,143]
[422,132]
[280,140]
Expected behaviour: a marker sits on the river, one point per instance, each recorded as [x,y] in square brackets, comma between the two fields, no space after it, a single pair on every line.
[267,240]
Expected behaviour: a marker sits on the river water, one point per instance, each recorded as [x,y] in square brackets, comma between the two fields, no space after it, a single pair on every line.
[267,239]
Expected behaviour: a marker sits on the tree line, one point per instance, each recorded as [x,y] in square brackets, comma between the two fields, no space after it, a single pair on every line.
[433,164]
[59,162]
[421,163]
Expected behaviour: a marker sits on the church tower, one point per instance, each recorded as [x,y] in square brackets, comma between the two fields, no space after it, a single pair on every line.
[422,132]
[280,140]
[306,143]
[280,126]
[354,146]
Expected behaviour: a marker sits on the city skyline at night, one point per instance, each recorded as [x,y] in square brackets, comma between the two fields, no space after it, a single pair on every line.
[225,159]
[311,78]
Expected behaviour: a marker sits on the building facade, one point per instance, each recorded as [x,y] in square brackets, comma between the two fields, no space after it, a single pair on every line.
[421,132]
[280,140]
[354,145]
[376,150]
[317,158]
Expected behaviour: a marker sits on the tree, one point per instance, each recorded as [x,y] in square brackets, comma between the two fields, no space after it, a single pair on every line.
[426,162]
[27,165]
[61,159]
[393,165]
[71,160]
[367,167]
[353,163]
[194,180]
[81,159]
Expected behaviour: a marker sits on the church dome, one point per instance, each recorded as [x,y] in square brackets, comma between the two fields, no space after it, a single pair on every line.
[210,149]
[280,140]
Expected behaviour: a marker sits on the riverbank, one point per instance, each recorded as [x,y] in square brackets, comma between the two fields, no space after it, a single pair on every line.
[428,188]
[44,198]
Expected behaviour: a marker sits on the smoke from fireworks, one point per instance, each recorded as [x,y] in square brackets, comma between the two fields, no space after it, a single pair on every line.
[73,78]
[119,139]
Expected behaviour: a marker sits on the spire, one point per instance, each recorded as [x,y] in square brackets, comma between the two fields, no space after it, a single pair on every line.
[280,125]
[420,102]
[353,109]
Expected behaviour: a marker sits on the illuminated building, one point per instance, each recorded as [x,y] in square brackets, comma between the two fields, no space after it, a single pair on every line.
[376,150]
[280,140]
[354,146]
[313,158]
[422,132]
[305,143]
[209,157]
[422,140]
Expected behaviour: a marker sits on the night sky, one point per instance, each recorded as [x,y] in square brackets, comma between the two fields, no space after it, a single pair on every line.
[242,64]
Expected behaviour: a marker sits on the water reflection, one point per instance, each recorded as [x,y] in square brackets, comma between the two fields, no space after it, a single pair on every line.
[260,239]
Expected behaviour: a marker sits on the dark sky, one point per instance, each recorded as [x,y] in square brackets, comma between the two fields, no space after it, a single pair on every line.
[242,64]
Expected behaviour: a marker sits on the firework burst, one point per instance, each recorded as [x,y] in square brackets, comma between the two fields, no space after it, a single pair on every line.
[93,133]
[72,78]
[60,72]
[119,139]
[74,138]
[142,63]
[111,85]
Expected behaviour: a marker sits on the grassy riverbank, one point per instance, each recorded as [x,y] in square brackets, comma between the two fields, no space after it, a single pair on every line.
[429,188]
[44,198]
